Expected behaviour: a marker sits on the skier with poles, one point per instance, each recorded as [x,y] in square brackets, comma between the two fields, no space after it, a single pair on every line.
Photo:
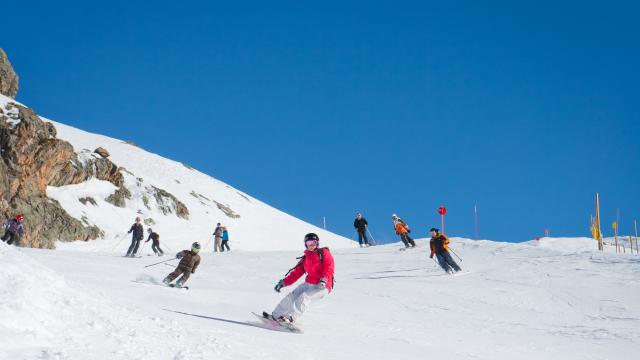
[318,264]
[403,230]
[137,236]
[360,224]
[155,246]
[439,244]
[13,229]
[189,261]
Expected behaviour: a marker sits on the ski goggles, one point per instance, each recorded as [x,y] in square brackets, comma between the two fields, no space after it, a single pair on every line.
[311,242]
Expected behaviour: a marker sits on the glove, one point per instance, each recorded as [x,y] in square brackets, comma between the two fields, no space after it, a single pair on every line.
[431,256]
[323,283]
[178,256]
[279,286]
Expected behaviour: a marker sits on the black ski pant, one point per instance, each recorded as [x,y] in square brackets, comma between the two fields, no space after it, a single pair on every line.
[362,235]
[407,240]
[10,237]
[186,273]
[446,262]
[156,247]
[133,248]
[225,243]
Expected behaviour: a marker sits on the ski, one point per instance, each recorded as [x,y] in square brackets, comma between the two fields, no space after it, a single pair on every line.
[178,287]
[278,326]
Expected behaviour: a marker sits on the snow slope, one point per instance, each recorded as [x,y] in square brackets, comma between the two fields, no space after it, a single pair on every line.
[552,299]
[252,224]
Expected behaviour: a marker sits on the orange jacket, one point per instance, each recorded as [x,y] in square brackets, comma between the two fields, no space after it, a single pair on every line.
[439,244]
[401,229]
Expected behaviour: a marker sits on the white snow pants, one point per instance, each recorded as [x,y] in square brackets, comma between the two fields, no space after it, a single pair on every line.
[297,302]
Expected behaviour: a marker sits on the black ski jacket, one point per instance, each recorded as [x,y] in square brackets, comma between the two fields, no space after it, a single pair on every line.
[138,231]
[360,224]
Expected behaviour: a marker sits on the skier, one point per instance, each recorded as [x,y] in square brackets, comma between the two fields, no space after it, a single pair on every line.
[361,224]
[439,247]
[156,242]
[403,230]
[138,235]
[318,264]
[188,264]
[217,233]
[225,240]
[13,229]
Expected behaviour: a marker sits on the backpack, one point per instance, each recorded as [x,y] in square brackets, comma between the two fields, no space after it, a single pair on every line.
[320,255]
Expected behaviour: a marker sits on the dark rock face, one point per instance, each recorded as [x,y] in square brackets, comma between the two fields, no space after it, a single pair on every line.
[32,158]
[8,77]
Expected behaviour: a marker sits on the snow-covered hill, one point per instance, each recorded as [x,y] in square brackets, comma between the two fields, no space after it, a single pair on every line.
[552,299]
[180,203]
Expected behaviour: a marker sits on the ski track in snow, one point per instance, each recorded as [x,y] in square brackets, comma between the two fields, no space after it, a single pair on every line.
[525,301]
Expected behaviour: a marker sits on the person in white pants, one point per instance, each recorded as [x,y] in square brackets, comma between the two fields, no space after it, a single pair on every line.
[319,266]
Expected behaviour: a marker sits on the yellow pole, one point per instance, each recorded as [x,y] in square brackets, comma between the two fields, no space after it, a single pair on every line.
[631,245]
[597,225]
[635,226]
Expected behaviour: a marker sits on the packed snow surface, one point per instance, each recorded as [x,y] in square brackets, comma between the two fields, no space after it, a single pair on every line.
[548,299]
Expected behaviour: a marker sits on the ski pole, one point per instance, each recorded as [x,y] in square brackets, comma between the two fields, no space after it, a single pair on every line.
[372,239]
[161,262]
[118,244]
[454,253]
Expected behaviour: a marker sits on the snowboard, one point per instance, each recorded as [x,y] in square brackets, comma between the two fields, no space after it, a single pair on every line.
[274,325]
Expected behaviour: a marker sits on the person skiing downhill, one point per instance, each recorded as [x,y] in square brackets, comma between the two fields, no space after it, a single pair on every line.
[13,230]
[361,224]
[439,244]
[137,236]
[318,264]
[403,230]
[155,246]
[189,261]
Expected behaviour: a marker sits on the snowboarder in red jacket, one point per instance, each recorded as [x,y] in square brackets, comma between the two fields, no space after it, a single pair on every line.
[318,264]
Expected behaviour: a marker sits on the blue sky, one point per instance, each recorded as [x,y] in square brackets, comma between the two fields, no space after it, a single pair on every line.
[325,109]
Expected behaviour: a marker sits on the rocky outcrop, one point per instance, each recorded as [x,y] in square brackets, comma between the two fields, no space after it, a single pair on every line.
[32,158]
[8,77]
[102,152]
[169,204]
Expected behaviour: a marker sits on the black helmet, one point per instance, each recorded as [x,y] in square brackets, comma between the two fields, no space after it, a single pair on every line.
[149,230]
[435,229]
[195,247]
[311,236]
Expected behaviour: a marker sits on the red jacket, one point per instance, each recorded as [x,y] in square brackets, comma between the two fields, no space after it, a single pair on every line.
[314,268]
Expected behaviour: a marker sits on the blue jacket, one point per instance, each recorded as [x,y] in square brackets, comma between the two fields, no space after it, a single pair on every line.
[225,235]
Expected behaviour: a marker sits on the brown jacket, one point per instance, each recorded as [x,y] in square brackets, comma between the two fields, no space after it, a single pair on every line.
[190,261]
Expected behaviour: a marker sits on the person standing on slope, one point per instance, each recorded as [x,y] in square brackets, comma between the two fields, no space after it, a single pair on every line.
[439,244]
[13,230]
[403,230]
[138,235]
[361,224]
[217,238]
[156,242]
[225,240]
[318,264]
[189,261]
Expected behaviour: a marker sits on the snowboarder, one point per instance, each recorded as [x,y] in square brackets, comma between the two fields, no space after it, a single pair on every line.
[403,230]
[189,261]
[156,242]
[138,235]
[440,248]
[361,224]
[217,234]
[13,229]
[225,240]
[318,264]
